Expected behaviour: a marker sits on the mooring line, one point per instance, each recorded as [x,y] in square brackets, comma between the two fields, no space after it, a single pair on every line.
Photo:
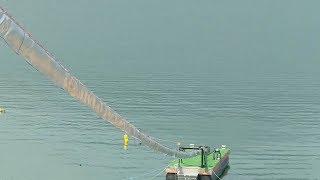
[216,175]
[150,172]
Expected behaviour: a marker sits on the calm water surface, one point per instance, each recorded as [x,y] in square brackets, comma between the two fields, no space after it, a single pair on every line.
[241,73]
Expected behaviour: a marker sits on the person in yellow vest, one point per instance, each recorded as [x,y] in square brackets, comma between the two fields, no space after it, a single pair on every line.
[125,141]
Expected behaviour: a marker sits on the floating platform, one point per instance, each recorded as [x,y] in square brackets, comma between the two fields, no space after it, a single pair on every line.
[209,165]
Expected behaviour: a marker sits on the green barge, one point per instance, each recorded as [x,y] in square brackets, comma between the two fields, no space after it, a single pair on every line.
[209,165]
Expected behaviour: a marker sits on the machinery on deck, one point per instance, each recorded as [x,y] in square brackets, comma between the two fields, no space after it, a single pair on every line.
[209,165]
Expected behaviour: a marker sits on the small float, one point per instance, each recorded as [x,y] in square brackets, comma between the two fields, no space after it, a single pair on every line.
[2,110]
[209,165]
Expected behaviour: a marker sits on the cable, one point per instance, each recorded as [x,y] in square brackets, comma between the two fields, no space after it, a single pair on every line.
[148,173]
[160,172]
[216,175]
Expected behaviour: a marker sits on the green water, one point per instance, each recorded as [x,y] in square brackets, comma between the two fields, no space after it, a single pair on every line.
[241,73]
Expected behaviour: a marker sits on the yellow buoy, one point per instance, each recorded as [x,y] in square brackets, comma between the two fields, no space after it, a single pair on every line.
[2,110]
[125,140]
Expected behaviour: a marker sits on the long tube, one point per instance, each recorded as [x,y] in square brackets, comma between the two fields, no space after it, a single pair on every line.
[22,43]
